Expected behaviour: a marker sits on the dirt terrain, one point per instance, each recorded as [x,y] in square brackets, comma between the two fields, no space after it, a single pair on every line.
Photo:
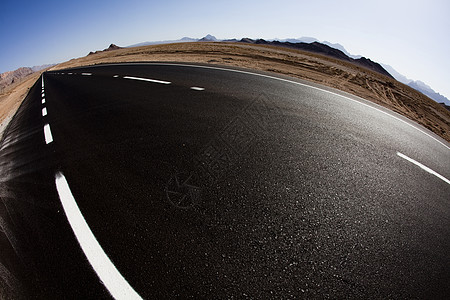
[316,68]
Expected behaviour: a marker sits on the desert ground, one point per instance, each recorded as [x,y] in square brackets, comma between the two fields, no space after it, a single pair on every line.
[315,68]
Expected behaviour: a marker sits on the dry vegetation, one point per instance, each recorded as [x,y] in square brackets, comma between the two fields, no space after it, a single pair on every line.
[316,68]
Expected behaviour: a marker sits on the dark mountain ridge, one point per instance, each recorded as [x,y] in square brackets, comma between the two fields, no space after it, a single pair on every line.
[111,47]
[319,48]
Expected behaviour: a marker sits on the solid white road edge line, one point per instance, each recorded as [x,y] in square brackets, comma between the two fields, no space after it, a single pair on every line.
[147,79]
[105,269]
[48,134]
[423,167]
[44,111]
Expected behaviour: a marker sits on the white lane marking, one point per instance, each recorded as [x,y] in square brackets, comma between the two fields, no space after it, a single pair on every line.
[423,167]
[69,73]
[43,95]
[196,88]
[86,74]
[105,269]
[44,111]
[306,85]
[115,76]
[48,134]
[43,100]
[147,79]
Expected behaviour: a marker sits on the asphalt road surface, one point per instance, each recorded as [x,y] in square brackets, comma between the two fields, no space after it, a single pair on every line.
[175,181]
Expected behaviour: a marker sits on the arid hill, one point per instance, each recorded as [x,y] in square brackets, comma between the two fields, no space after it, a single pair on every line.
[10,77]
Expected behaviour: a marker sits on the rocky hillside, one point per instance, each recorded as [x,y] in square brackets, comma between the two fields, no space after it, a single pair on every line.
[10,77]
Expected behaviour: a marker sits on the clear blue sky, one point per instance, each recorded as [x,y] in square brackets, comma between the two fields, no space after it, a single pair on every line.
[412,36]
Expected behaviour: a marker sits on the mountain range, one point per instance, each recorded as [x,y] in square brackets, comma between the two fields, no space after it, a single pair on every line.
[417,85]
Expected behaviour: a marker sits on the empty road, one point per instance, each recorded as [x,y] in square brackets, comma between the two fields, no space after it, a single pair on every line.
[170,181]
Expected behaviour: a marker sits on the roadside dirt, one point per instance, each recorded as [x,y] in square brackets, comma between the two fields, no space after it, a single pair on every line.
[312,67]
[12,96]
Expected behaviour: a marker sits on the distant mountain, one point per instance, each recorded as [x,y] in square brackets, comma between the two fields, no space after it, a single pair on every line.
[208,38]
[230,40]
[319,48]
[11,77]
[42,67]
[188,39]
[419,86]
[247,40]
[309,40]
[303,39]
[428,91]
[341,48]
[183,40]
[397,75]
[111,47]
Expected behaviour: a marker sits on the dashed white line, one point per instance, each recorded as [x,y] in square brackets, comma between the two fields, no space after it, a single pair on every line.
[147,79]
[115,76]
[196,88]
[43,100]
[48,134]
[44,111]
[423,167]
[105,269]
[86,74]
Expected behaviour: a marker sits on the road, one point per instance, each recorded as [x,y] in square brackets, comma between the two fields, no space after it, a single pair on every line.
[169,180]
